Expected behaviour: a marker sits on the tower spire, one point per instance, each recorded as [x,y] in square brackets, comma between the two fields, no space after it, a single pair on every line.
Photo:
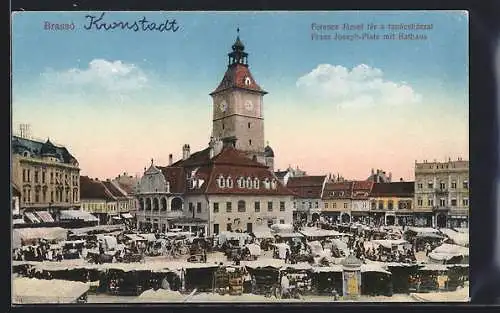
[238,55]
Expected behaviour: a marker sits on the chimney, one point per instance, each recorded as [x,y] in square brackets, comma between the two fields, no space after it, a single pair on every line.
[185,152]
[170,159]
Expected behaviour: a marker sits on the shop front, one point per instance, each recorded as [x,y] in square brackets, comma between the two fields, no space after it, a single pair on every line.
[458,221]
[404,219]
[377,218]
[331,216]
[423,219]
[360,217]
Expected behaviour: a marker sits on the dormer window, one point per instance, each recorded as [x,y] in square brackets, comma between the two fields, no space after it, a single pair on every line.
[221,181]
[273,184]
[256,183]
[229,182]
[240,182]
[248,183]
[266,183]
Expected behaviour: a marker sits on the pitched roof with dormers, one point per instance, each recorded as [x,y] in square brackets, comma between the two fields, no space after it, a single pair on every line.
[396,189]
[306,186]
[235,77]
[338,190]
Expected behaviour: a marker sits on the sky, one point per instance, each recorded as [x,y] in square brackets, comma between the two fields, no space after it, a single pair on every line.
[119,98]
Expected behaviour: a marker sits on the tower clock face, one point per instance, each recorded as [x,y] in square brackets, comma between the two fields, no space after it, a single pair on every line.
[223,106]
[248,105]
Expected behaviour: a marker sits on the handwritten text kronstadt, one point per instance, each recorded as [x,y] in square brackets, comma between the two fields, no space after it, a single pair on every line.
[98,23]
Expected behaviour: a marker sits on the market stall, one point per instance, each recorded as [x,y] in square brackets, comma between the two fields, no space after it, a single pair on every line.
[327,279]
[35,291]
[200,276]
[376,280]
[33,235]
[449,254]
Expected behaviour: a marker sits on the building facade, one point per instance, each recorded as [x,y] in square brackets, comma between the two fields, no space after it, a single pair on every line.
[380,176]
[307,201]
[360,206]
[337,201]
[392,203]
[160,196]
[128,185]
[218,189]
[442,193]
[48,176]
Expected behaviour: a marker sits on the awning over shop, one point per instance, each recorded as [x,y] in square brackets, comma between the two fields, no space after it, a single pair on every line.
[48,233]
[78,215]
[262,233]
[45,216]
[127,215]
[32,217]
[18,221]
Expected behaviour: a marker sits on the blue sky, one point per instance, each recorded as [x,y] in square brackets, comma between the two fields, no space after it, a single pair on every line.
[179,70]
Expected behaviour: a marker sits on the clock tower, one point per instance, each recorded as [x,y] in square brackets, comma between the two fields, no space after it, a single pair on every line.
[238,108]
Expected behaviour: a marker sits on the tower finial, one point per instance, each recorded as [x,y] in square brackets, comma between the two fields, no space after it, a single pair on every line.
[151,161]
[238,30]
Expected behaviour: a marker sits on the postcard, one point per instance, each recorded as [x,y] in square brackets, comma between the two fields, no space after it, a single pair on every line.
[240,157]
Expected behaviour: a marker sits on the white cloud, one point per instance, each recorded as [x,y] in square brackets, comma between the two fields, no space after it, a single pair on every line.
[109,76]
[360,86]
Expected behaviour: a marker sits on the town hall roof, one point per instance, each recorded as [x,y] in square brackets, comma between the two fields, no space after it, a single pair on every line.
[235,77]
[228,164]
[117,193]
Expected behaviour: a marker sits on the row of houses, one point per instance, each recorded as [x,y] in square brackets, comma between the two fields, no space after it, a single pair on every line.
[439,196]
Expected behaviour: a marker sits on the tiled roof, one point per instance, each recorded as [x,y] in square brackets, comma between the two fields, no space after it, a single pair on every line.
[34,147]
[396,189]
[338,190]
[117,193]
[361,190]
[306,186]
[306,181]
[128,188]
[176,178]
[235,78]
[92,189]
[195,159]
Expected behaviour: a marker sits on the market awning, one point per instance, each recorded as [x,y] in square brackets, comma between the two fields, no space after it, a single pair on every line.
[49,233]
[45,216]
[30,291]
[127,215]
[117,218]
[135,237]
[78,215]
[32,217]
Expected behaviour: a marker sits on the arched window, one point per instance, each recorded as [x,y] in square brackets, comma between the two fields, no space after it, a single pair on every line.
[248,182]
[241,206]
[229,182]
[148,204]
[156,205]
[163,204]
[141,204]
[176,204]
[221,182]
[240,182]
